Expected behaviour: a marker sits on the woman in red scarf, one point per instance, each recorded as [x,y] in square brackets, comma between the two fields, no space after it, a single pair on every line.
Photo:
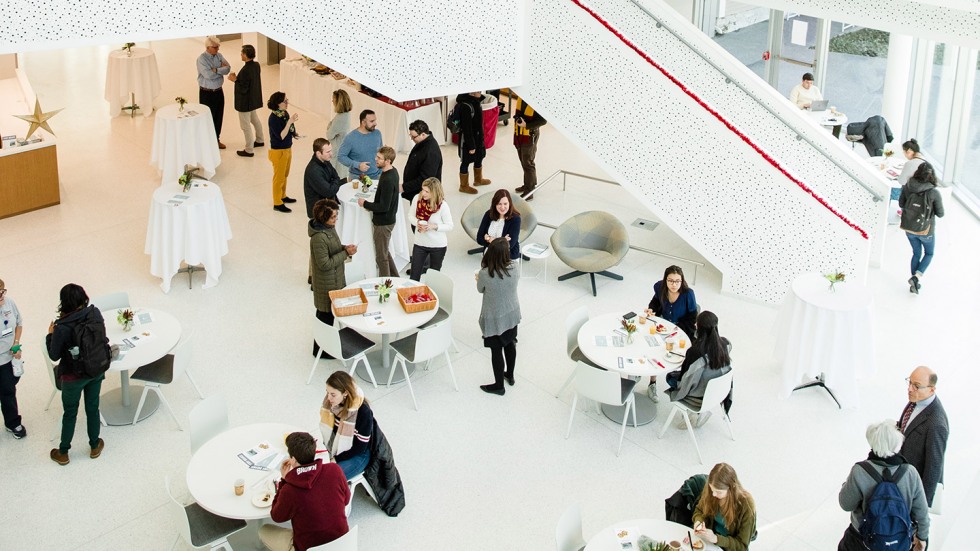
[432,218]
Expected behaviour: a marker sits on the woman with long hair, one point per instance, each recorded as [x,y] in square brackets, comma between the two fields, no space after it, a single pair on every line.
[725,513]
[707,359]
[674,301]
[501,221]
[328,257]
[432,220]
[913,158]
[921,204]
[340,126]
[500,313]
[346,424]
[282,130]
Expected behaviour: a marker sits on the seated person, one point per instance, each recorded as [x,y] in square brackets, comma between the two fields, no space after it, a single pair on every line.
[501,221]
[673,301]
[725,514]
[805,93]
[346,424]
[312,495]
[707,359]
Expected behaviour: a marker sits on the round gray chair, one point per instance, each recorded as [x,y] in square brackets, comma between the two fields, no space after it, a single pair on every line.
[473,215]
[590,243]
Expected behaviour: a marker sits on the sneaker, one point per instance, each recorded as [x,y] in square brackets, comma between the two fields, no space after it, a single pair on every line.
[19,431]
[59,458]
[97,450]
[914,285]
[288,200]
[282,208]
[652,393]
[244,153]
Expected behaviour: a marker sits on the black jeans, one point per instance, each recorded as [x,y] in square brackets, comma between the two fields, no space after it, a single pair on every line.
[214,100]
[8,396]
[71,395]
[466,158]
[420,254]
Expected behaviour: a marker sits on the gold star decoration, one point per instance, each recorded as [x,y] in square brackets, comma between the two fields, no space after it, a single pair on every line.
[38,120]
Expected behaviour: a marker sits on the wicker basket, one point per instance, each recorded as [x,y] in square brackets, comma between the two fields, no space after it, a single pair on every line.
[413,307]
[348,310]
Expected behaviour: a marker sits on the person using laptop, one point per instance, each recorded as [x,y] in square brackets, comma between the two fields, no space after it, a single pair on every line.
[805,93]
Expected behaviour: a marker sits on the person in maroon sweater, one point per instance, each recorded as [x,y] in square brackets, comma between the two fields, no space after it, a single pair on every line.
[312,495]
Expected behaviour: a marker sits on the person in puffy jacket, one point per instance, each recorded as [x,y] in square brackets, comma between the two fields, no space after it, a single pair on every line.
[472,148]
[328,256]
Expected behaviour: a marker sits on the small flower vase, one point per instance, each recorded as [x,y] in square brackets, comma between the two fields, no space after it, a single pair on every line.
[629,338]
[181,108]
[383,296]
[127,326]
[129,52]
[833,289]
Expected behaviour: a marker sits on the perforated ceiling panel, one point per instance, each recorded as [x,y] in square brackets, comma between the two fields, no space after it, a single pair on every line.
[404,48]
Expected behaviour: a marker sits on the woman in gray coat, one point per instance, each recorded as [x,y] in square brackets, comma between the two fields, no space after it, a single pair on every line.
[329,256]
[500,314]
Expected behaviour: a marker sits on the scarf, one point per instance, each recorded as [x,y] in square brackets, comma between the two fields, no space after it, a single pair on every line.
[891,461]
[340,431]
[422,211]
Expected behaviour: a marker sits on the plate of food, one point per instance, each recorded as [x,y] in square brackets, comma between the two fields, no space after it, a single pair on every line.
[662,329]
[674,358]
[263,499]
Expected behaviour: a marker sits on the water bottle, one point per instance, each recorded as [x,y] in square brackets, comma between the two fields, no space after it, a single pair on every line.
[18,367]
[74,352]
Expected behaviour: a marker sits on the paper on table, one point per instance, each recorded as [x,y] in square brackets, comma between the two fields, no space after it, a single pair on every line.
[618,342]
[623,362]
[377,317]
[651,340]
[537,248]
[145,317]
[347,301]
[261,457]
[627,537]
[600,340]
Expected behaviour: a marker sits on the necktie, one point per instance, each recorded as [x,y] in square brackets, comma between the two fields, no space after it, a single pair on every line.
[906,415]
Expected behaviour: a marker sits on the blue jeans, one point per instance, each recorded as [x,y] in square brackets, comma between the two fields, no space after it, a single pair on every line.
[921,244]
[354,466]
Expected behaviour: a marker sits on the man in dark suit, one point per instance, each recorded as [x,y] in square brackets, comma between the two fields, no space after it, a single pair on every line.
[926,429]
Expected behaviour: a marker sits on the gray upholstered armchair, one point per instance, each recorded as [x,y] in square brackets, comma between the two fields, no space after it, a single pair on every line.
[591,243]
[473,215]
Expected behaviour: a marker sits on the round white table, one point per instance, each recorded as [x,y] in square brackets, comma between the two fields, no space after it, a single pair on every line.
[189,226]
[598,341]
[533,251]
[215,466]
[117,406]
[184,138]
[355,227]
[826,335]
[133,78]
[610,538]
[393,319]
[827,119]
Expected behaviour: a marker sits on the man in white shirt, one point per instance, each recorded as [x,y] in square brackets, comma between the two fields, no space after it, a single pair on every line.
[805,92]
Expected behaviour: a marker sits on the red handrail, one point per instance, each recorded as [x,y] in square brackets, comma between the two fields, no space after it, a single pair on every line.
[718,116]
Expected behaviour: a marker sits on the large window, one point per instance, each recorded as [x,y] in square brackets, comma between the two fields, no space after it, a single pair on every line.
[856,70]
[939,81]
[967,173]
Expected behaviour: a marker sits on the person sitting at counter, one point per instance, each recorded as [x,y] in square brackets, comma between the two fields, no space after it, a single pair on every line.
[913,158]
[805,93]
[707,359]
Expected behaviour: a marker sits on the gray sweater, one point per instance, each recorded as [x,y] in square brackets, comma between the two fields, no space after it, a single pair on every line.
[501,309]
[859,487]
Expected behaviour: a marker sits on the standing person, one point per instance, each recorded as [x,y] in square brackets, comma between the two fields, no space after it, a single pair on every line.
[926,430]
[424,162]
[328,256]
[500,313]
[674,301]
[527,130]
[63,347]
[805,93]
[706,360]
[384,207]
[501,221]
[432,217]
[211,68]
[320,180]
[883,463]
[921,204]
[340,126]
[472,148]
[312,496]
[725,514]
[10,334]
[282,130]
[359,147]
[346,424]
[913,158]
[248,100]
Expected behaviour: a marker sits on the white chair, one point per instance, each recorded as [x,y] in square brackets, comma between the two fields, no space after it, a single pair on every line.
[163,372]
[568,533]
[347,542]
[207,420]
[442,285]
[421,347]
[353,483]
[345,344]
[110,301]
[55,387]
[605,387]
[199,528]
[715,393]
[573,323]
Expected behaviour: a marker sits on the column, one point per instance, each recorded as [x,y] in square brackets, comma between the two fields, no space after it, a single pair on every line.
[898,70]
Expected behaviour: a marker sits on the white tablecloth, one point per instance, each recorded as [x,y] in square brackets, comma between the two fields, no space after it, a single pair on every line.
[825,332]
[184,139]
[196,231]
[312,92]
[127,75]
[354,226]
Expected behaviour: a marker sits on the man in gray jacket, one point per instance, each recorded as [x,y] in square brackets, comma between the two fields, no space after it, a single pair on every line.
[926,429]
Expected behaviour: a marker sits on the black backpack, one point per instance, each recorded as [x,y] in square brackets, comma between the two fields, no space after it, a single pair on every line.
[917,213]
[91,354]
[887,523]
[453,121]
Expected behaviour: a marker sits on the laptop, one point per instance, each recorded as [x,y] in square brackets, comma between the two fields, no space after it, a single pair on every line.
[819,105]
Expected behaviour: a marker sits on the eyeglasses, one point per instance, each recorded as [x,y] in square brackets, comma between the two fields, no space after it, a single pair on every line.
[675,281]
[916,386]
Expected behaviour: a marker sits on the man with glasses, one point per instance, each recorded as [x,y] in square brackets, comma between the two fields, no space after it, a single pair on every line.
[211,68]
[926,428]
[424,162]
[10,333]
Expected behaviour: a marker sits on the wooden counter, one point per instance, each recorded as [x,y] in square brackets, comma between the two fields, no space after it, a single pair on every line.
[28,180]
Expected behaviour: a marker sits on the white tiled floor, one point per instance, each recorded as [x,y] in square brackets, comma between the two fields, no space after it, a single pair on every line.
[480,472]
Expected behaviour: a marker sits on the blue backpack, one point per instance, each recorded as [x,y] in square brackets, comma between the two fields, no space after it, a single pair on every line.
[887,524]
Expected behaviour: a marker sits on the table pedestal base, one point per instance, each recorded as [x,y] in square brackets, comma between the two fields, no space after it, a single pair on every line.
[116,414]
[381,371]
[189,270]
[646,411]
[819,382]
